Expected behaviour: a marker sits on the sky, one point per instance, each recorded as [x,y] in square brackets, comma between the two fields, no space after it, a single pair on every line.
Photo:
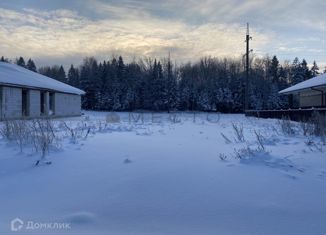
[64,32]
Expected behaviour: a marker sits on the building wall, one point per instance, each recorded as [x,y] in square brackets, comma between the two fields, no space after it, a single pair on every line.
[67,104]
[34,103]
[11,102]
[1,103]
[311,99]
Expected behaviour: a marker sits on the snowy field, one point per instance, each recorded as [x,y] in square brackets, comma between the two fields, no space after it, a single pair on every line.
[184,174]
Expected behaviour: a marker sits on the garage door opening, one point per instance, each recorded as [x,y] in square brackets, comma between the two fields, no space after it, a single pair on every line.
[25,106]
[42,105]
[51,101]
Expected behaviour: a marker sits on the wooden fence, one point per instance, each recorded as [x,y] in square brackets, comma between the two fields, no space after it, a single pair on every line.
[293,114]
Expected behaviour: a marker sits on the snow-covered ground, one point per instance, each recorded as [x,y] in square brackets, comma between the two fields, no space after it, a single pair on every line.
[166,177]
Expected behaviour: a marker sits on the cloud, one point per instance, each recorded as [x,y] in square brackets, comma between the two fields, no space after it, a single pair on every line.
[189,29]
[132,32]
[290,49]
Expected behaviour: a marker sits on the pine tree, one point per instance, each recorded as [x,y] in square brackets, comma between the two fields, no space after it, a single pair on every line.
[46,71]
[119,88]
[3,59]
[121,69]
[314,69]
[21,62]
[170,93]
[274,101]
[73,77]
[297,72]
[101,86]
[155,92]
[274,69]
[31,65]
[61,75]
[88,82]
[305,70]
[160,101]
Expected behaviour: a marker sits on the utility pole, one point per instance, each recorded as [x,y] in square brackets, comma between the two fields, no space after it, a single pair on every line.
[247,69]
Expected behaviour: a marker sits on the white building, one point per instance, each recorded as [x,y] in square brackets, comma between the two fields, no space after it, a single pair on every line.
[311,93]
[25,94]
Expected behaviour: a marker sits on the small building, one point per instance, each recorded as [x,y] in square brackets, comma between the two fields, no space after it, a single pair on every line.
[309,97]
[310,93]
[26,94]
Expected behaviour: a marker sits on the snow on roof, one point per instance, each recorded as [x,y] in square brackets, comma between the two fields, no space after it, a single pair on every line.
[311,83]
[14,75]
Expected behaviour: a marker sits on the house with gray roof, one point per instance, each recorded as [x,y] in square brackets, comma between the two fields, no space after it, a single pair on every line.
[26,94]
[311,93]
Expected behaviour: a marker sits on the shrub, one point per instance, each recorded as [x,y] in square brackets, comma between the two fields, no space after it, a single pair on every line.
[238,130]
[287,127]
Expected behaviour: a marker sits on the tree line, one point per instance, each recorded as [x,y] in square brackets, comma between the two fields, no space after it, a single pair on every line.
[211,84]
